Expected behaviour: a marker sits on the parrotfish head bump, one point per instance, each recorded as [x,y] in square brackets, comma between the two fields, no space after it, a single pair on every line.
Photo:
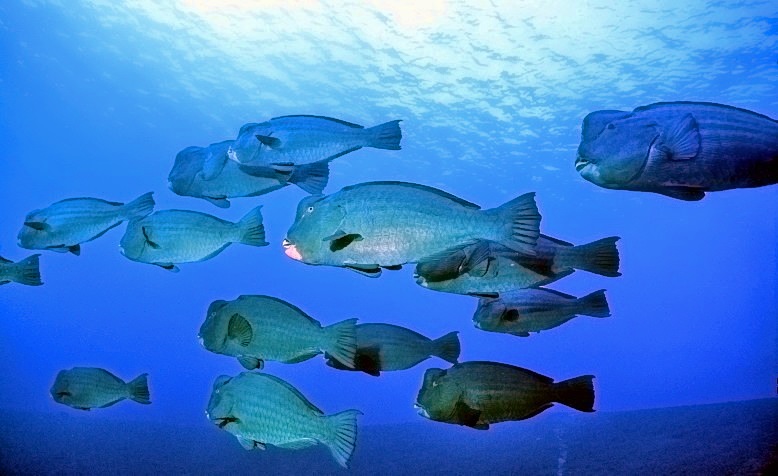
[614,153]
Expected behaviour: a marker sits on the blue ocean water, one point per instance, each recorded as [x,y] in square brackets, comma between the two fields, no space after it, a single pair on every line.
[98,97]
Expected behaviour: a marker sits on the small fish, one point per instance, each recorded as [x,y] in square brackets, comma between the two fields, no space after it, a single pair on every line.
[288,141]
[259,328]
[679,149]
[368,226]
[382,347]
[65,225]
[260,409]
[26,271]
[522,311]
[85,388]
[189,178]
[486,269]
[168,237]
[476,394]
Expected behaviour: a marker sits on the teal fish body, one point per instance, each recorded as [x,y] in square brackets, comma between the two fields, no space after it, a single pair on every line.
[306,139]
[260,409]
[85,388]
[386,347]
[188,177]
[258,328]
[65,225]
[387,224]
[679,149]
[487,268]
[524,311]
[168,237]
[26,271]
[477,394]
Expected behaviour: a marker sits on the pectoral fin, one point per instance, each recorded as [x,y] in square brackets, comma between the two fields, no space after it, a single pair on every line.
[272,142]
[239,330]
[465,415]
[149,240]
[36,225]
[340,239]
[250,363]
[681,141]
[368,360]
[373,271]
[213,165]
[75,249]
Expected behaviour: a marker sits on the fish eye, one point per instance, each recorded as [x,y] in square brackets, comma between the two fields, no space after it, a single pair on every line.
[310,209]
[611,126]
[511,315]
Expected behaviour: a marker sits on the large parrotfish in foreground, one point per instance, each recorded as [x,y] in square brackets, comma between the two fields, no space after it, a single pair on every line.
[372,225]
[679,149]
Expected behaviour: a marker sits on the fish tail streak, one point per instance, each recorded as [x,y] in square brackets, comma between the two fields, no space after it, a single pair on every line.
[595,304]
[139,389]
[342,435]
[577,393]
[447,347]
[27,271]
[386,135]
[140,207]
[342,341]
[523,218]
[600,257]
[312,178]
[252,231]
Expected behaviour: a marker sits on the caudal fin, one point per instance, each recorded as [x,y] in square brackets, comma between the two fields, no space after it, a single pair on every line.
[341,341]
[386,136]
[139,389]
[27,271]
[576,393]
[140,207]
[311,177]
[447,347]
[252,231]
[342,435]
[600,257]
[522,220]
[594,305]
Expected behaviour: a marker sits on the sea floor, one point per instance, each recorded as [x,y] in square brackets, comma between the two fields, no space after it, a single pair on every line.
[715,439]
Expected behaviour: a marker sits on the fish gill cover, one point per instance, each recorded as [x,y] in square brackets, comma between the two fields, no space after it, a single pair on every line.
[99,99]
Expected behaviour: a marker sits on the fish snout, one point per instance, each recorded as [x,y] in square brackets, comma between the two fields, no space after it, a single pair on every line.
[580,163]
[290,250]
[421,410]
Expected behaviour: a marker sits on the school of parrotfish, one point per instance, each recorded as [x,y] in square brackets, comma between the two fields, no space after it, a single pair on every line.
[679,149]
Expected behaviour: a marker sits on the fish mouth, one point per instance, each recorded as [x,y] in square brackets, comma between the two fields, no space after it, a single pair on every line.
[580,163]
[290,250]
[421,410]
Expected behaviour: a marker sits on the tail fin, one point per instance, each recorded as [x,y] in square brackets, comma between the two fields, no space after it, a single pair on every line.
[252,231]
[447,347]
[27,271]
[139,389]
[341,341]
[386,136]
[576,393]
[594,305]
[522,220]
[311,177]
[342,435]
[140,207]
[600,257]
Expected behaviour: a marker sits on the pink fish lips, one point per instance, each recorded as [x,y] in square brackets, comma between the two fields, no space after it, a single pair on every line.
[291,250]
